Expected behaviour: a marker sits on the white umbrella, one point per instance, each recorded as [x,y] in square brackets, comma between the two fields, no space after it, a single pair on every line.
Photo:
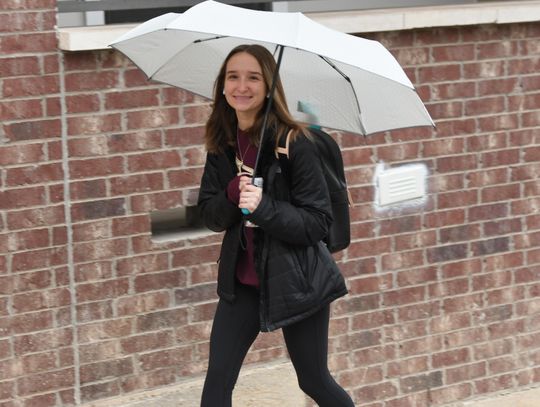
[349,83]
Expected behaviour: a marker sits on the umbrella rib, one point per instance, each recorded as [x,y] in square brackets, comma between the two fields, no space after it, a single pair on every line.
[352,88]
[217,37]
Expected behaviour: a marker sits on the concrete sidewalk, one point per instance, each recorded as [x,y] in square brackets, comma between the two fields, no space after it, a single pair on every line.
[275,385]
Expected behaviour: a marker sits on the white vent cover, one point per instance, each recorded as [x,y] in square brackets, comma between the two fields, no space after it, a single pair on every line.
[402,183]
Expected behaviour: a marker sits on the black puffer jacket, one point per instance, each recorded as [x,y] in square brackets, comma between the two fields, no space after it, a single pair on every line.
[297,273]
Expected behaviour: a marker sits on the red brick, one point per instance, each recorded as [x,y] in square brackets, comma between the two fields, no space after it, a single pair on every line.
[459,233]
[88,189]
[193,156]
[369,247]
[82,103]
[422,382]
[505,295]
[466,373]
[130,226]
[176,96]
[445,110]
[35,301]
[42,341]
[19,66]
[104,330]
[38,259]
[143,303]
[494,384]
[369,284]
[94,311]
[33,130]
[134,78]
[404,296]
[204,312]
[457,163]
[106,369]
[357,156]
[447,253]
[444,218]
[100,391]
[374,392]
[448,288]
[154,161]
[30,86]
[35,174]
[31,322]
[439,73]
[195,294]
[130,184]
[449,358]
[153,118]
[28,43]
[484,69]
[139,141]
[85,81]
[155,281]
[399,152]
[502,227]
[192,114]
[498,86]
[485,106]
[102,290]
[456,127]
[98,209]
[505,329]
[94,124]
[164,358]
[484,178]
[184,136]
[147,342]
[195,256]
[100,250]
[491,246]
[500,193]
[498,123]
[457,199]
[530,171]
[162,320]
[131,99]
[142,264]
[501,158]
[402,260]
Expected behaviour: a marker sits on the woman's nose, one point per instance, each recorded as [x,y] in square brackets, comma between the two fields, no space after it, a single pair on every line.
[242,84]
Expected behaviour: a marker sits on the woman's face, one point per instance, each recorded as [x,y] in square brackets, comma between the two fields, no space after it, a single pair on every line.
[245,90]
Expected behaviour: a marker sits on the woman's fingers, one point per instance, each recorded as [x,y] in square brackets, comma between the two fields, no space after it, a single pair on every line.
[250,197]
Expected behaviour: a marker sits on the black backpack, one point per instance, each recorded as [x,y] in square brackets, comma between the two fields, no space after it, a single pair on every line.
[339,233]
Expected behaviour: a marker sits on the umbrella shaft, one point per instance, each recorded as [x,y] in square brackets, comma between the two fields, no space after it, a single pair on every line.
[268,107]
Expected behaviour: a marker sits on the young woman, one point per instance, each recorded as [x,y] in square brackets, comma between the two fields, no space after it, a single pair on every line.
[274,271]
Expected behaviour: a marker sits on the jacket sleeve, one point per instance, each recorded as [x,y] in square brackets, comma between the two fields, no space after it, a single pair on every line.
[306,218]
[217,211]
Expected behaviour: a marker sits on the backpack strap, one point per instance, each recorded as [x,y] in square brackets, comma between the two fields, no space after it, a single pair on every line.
[283,145]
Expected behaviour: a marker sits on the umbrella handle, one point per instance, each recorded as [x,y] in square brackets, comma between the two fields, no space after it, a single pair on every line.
[258,182]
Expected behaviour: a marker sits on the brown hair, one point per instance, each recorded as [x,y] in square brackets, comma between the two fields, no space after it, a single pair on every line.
[222,125]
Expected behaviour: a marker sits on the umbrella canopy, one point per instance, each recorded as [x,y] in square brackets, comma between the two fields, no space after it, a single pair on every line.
[331,79]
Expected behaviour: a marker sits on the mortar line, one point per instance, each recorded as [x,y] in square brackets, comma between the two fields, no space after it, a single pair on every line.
[69,229]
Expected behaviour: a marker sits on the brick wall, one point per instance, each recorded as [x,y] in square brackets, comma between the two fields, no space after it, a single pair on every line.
[444,300]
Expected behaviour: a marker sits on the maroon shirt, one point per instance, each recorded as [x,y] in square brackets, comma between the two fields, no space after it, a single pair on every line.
[245,267]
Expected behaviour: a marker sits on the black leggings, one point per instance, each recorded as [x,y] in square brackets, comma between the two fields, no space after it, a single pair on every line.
[235,328]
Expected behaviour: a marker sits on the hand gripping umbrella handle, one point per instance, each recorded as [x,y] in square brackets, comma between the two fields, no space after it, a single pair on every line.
[258,182]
